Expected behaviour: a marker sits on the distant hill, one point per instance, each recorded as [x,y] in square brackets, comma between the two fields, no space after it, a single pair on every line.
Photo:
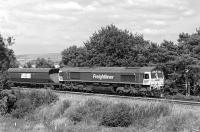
[55,57]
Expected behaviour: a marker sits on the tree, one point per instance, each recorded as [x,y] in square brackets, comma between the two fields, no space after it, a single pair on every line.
[29,64]
[7,59]
[190,44]
[111,46]
[74,56]
[40,63]
[163,53]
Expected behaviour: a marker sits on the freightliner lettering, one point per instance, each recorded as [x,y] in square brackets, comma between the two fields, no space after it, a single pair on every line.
[102,76]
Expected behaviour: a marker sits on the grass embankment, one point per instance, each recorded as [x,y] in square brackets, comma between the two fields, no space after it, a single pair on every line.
[43,114]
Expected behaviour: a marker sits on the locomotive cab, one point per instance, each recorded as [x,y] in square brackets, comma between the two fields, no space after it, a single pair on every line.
[154,79]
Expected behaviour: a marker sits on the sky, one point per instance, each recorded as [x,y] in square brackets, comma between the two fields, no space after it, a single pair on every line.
[50,26]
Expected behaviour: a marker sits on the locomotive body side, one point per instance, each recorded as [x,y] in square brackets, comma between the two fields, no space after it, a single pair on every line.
[123,79]
[100,74]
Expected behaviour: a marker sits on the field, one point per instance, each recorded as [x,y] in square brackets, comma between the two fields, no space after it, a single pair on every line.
[77,113]
[55,57]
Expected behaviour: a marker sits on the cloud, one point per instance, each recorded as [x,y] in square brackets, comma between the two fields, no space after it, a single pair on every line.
[189,12]
[40,16]
[152,31]
[3,15]
[68,22]
[59,6]
[156,3]
[157,22]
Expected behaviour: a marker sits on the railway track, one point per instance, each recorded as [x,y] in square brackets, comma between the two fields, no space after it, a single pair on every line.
[181,102]
[193,103]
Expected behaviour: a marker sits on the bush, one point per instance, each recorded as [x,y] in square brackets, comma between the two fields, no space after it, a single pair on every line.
[178,122]
[39,98]
[23,107]
[95,108]
[152,110]
[4,83]
[117,115]
[123,115]
[144,114]
[3,106]
[47,113]
[7,99]
[78,114]
[91,110]
[27,102]
[60,108]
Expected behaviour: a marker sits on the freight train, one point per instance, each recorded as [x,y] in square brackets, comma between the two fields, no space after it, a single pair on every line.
[119,80]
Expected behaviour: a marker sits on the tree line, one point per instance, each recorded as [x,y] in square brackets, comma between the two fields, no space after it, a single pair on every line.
[111,46]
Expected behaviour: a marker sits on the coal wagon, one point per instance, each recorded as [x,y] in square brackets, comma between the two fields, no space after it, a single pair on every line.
[33,77]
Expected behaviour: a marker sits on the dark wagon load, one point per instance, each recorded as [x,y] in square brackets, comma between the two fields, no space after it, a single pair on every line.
[116,79]
[38,77]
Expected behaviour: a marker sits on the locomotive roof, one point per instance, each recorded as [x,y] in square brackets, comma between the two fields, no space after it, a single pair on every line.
[109,69]
[30,70]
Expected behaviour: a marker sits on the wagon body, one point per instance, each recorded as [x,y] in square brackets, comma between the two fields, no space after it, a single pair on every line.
[29,75]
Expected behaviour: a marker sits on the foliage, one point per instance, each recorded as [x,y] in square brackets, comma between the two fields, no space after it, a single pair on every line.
[92,109]
[7,59]
[117,115]
[123,115]
[27,102]
[74,56]
[39,98]
[178,122]
[7,101]
[95,108]
[61,108]
[19,104]
[40,63]
[78,114]
[110,46]
[22,108]
[146,117]
[48,113]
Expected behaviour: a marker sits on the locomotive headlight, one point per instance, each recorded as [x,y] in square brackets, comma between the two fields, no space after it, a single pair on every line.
[60,76]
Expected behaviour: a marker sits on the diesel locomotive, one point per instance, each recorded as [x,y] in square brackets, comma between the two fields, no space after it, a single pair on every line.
[121,80]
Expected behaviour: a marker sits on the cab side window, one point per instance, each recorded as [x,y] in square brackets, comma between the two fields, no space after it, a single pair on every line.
[146,76]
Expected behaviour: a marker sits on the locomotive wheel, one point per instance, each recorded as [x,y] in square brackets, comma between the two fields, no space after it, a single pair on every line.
[114,89]
[120,90]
